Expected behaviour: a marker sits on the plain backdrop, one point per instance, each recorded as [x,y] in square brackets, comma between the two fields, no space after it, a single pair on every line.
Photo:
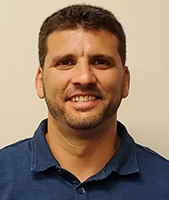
[144,112]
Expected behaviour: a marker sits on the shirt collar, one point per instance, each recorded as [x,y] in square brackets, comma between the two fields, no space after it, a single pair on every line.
[41,157]
[124,161]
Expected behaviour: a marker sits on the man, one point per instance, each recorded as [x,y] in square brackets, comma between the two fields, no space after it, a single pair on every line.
[81,151]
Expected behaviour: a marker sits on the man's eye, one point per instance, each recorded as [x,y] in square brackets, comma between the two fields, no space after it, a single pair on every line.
[65,63]
[101,62]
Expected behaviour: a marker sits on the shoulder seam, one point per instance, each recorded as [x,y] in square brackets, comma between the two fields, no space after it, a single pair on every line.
[15,144]
[152,152]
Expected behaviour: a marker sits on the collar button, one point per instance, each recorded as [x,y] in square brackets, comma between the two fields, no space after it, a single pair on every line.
[59,171]
[81,190]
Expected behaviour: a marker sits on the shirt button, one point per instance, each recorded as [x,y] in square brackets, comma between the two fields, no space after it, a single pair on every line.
[60,171]
[81,190]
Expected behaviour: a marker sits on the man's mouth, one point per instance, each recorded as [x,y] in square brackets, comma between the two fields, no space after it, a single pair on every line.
[84,102]
[83,98]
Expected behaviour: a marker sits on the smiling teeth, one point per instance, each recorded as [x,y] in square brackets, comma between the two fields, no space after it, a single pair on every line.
[83,98]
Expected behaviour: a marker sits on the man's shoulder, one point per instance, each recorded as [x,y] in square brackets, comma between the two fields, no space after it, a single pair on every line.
[15,151]
[147,152]
[150,162]
[16,145]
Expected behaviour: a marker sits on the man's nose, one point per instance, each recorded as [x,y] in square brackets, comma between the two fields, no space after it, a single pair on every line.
[84,75]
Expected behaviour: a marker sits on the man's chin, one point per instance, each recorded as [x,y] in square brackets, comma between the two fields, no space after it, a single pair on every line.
[83,122]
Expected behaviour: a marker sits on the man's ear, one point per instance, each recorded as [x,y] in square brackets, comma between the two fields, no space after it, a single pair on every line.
[126,83]
[39,83]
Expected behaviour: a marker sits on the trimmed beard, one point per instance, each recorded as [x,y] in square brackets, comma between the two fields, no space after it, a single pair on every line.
[57,110]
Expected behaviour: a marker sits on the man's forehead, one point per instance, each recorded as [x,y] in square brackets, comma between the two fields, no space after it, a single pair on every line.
[58,38]
[65,37]
[81,29]
[79,43]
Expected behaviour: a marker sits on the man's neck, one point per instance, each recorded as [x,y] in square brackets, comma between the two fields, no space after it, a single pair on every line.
[83,153]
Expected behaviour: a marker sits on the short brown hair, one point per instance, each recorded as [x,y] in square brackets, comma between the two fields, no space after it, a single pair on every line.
[86,16]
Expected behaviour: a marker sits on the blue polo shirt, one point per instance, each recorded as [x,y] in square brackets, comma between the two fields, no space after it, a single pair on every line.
[28,171]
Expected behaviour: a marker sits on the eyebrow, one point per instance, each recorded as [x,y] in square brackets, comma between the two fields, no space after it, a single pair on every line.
[91,57]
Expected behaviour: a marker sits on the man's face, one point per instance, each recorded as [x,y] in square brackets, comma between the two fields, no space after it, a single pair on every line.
[83,80]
